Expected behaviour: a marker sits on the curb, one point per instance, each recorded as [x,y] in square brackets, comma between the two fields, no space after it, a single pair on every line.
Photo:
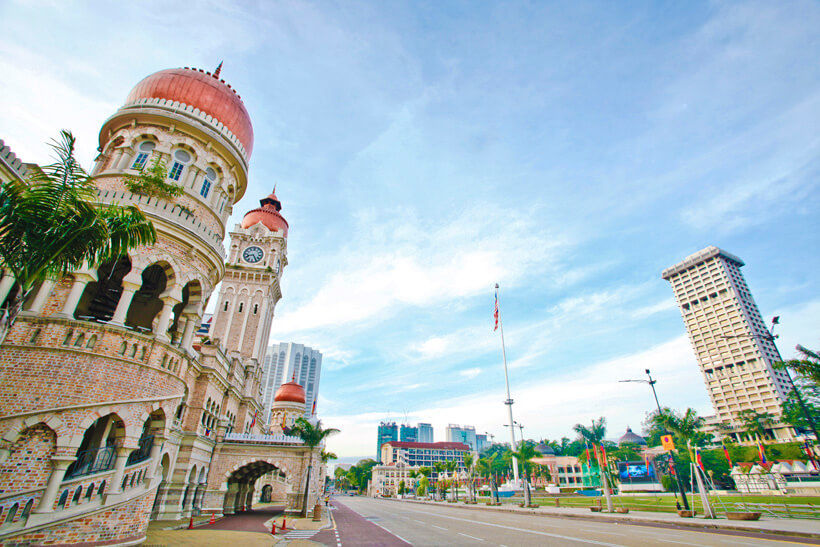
[684,523]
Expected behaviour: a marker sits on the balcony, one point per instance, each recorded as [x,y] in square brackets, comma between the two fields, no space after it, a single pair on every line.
[91,461]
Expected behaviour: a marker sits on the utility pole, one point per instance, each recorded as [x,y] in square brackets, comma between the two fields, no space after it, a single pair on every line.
[509,401]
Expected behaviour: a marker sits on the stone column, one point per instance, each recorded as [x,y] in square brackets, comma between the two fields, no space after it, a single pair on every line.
[5,286]
[165,317]
[116,161]
[230,499]
[42,295]
[240,499]
[192,321]
[156,456]
[125,160]
[119,468]
[190,177]
[59,465]
[70,306]
[128,292]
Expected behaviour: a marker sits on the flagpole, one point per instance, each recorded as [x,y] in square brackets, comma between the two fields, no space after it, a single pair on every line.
[509,401]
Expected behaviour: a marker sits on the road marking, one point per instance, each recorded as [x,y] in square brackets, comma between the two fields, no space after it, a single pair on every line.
[673,541]
[419,521]
[601,532]
[471,537]
[439,527]
[570,538]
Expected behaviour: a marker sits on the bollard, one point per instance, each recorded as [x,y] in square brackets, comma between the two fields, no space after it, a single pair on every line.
[191,523]
[273,528]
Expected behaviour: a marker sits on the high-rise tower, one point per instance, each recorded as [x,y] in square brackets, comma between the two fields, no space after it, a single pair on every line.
[288,361]
[734,349]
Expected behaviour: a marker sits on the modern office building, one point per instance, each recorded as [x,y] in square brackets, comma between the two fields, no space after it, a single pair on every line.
[481,442]
[387,432]
[734,349]
[408,433]
[425,433]
[462,434]
[289,361]
[422,454]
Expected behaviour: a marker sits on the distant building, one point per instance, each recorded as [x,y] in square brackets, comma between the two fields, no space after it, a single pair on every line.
[425,433]
[565,472]
[734,349]
[287,361]
[481,442]
[462,434]
[631,438]
[387,432]
[408,433]
[422,454]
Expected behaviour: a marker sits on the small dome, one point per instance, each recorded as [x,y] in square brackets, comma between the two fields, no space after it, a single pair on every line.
[544,449]
[268,214]
[202,90]
[290,393]
[630,437]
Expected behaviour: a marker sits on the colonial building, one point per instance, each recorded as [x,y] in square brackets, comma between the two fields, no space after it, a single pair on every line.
[111,412]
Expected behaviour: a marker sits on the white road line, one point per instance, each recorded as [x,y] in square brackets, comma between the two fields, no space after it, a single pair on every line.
[536,532]
[673,541]
[419,521]
[439,527]
[471,537]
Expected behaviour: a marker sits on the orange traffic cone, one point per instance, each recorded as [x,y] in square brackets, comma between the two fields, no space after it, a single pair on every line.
[213,518]
[273,528]
[191,523]
[283,524]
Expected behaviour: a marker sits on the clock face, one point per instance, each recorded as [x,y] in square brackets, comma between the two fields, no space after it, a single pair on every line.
[252,254]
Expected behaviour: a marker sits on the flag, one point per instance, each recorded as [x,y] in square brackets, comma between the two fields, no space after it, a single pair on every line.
[672,470]
[603,453]
[761,452]
[312,412]
[284,423]
[726,453]
[698,459]
[776,320]
[595,449]
[253,421]
[207,431]
[495,312]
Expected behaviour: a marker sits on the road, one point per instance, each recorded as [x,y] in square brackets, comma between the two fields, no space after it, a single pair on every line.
[363,521]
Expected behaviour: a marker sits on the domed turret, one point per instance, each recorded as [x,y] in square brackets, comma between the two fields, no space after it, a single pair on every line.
[268,214]
[632,438]
[544,449]
[203,91]
[290,393]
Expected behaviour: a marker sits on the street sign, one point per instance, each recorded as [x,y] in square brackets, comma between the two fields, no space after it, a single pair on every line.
[666,441]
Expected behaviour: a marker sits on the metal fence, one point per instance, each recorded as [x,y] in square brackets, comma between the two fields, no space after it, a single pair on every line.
[92,461]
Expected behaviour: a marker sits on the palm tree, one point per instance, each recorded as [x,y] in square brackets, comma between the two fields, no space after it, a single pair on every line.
[440,467]
[524,454]
[486,467]
[50,224]
[327,456]
[594,434]
[469,460]
[312,436]
[452,467]
[807,367]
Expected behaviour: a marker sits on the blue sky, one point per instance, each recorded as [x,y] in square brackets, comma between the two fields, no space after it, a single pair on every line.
[425,150]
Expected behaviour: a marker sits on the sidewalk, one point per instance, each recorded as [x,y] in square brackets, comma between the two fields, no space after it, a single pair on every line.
[792,527]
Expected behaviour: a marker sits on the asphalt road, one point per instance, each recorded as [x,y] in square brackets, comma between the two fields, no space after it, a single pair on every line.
[417,524]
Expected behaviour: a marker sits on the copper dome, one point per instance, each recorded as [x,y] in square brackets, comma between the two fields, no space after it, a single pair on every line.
[290,393]
[268,214]
[202,90]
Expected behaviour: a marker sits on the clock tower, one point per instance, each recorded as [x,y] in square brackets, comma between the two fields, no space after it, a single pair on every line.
[250,288]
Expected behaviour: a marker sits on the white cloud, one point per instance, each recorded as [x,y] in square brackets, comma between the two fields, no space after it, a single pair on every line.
[662,306]
[470,372]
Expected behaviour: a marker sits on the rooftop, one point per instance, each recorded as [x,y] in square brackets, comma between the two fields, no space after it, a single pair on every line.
[698,257]
[439,446]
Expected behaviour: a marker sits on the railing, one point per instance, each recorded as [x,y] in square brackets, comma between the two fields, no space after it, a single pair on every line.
[266,439]
[143,451]
[780,510]
[92,461]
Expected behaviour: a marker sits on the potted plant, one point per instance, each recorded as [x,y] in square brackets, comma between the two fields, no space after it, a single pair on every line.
[743,515]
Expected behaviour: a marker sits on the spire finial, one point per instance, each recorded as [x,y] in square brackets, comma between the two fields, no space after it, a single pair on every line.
[218,70]
[274,188]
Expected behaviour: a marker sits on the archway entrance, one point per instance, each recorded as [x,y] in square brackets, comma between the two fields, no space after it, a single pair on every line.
[242,485]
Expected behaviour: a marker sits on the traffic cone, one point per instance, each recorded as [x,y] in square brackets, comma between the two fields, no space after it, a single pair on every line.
[273,528]
[283,524]
[213,518]
[191,523]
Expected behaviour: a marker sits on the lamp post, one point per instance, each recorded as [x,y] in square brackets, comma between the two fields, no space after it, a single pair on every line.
[652,383]
[771,337]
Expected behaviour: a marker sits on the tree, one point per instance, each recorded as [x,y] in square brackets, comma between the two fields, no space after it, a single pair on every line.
[424,484]
[755,423]
[793,412]
[452,468]
[469,464]
[439,467]
[401,487]
[153,181]
[807,367]
[685,427]
[594,434]
[486,468]
[50,224]
[327,456]
[312,435]
[524,454]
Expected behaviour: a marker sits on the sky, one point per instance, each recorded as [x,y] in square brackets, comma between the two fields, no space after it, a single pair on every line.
[424,151]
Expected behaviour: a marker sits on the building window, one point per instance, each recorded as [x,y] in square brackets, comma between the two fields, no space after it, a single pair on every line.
[181,158]
[241,304]
[207,182]
[255,308]
[143,151]
[226,306]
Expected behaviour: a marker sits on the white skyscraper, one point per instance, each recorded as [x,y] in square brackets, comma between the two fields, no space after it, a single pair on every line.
[462,434]
[286,361]
[733,347]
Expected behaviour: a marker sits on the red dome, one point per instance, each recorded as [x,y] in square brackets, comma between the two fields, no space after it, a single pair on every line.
[202,90]
[290,393]
[268,214]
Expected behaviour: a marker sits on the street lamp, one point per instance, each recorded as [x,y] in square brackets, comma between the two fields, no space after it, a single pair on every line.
[652,383]
[771,337]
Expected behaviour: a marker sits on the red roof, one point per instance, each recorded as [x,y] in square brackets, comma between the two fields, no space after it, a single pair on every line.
[439,446]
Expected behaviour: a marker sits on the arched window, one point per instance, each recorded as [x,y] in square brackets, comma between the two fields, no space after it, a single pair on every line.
[63,499]
[89,492]
[181,159]
[207,182]
[78,493]
[102,489]
[34,336]
[92,342]
[143,151]
[133,350]
[79,341]
[27,509]
[68,337]
[123,347]
[13,512]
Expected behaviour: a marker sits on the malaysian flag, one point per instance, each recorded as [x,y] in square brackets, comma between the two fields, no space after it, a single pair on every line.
[495,313]
[313,411]
[253,422]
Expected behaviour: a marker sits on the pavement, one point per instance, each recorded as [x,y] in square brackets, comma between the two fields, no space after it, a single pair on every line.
[451,524]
